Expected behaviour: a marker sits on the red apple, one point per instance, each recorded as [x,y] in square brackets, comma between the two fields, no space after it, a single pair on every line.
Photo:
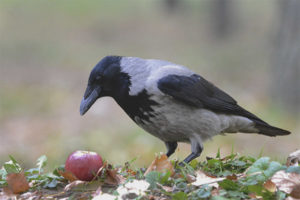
[84,164]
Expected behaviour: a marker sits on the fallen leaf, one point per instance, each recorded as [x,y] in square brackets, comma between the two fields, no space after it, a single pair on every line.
[203,179]
[253,196]
[131,172]
[30,195]
[17,182]
[160,164]
[190,178]
[296,192]
[286,182]
[104,196]
[134,188]
[270,186]
[67,175]
[113,178]
[166,188]
[232,177]
[104,166]
[293,159]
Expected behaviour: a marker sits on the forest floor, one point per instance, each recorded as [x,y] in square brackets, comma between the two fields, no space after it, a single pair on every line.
[230,177]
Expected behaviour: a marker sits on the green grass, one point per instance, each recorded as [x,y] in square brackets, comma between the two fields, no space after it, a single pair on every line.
[250,176]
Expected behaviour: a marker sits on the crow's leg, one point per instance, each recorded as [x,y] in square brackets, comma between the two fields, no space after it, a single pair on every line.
[171,147]
[196,151]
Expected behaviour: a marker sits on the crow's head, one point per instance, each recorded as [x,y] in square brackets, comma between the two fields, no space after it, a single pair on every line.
[106,79]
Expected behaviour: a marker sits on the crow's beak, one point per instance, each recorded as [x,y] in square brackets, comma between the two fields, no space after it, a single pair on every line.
[89,98]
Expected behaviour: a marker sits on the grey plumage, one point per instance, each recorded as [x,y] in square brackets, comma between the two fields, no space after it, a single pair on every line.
[171,102]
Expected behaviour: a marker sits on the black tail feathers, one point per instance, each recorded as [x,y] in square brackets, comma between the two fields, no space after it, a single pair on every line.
[266,129]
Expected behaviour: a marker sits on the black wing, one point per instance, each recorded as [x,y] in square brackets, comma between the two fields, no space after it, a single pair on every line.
[196,91]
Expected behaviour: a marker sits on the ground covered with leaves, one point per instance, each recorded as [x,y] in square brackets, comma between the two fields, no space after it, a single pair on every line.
[230,177]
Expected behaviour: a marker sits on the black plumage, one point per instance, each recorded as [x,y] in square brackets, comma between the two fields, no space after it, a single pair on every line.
[171,102]
[196,91]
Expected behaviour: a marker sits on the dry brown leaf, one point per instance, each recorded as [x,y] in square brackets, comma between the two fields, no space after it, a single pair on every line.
[270,186]
[160,164]
[286,182]
[232,177]
[293,159]
[190,178]
[113,178]
[203,179]
[131,172]
[17,182]
[68,175]
[104,166]
[178,175]
[296,192]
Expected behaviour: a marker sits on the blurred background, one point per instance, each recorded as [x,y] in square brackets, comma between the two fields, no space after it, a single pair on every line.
[249,48]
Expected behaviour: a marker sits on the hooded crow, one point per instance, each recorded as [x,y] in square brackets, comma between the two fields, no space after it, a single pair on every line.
[170,102]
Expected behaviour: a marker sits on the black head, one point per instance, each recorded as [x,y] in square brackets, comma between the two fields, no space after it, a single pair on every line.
[105,80]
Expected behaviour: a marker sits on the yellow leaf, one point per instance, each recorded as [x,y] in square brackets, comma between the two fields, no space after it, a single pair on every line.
[270,186]
[68,175]
[113,178]
[161,164]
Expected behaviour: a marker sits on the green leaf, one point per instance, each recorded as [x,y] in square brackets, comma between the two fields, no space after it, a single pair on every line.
[259,165]
[2,174]
[2,177]
[179,196]
[250,181]
[226,173]
[203,193]
[12,166]
[13,160]
[41,162]
[257,189]
[53,176]
[280,195]
[60,168]
[32,171]
[193,164]
[218,154]
[51,184]
[236,194]
[164,177]
[266,168]
[293,169]
[181,185]
[229,185]
[219,198]
[2,183]
[152,178]
[238,163]
[272,169]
